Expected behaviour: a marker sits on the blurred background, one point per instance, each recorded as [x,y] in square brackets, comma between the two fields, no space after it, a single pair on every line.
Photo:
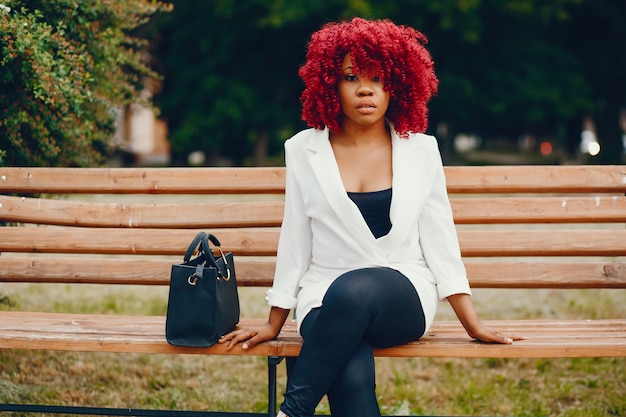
[521,81]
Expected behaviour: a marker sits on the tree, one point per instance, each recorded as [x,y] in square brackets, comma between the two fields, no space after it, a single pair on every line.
[509,67]
[66,65]
[230,67]
[506,68]
[597,35]
[502,71]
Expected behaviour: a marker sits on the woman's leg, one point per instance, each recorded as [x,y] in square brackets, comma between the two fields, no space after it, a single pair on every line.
[363,308]
[355,384]
[353,392]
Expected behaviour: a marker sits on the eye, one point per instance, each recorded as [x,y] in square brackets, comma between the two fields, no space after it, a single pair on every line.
[377,78]
[350,77]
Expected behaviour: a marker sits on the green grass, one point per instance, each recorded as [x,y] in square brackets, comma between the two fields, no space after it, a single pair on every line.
[459,387]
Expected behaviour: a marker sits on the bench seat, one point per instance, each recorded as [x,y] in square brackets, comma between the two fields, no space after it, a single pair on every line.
[144,334]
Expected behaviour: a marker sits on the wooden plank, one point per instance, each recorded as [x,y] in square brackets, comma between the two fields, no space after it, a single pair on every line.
[587,242]
[488,179]
[545,209]
[537,179]
[494,210]
[544,339]
[142,180]
[244,241]
[104,333]
[180,215]
[264,241]
[145,334]
[259,273]
[549,274]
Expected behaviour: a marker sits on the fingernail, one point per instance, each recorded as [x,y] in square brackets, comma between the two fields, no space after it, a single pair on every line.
[244,346]
[509,340]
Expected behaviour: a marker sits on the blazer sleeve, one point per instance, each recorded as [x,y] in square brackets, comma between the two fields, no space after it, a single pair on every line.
[438,237]
[294,245]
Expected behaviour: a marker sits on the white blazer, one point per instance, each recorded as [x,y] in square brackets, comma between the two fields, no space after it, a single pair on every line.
[324,235]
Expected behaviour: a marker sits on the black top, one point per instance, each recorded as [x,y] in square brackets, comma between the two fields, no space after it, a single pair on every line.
[374,207]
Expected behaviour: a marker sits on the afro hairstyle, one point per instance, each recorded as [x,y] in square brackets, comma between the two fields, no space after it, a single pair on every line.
[396,52]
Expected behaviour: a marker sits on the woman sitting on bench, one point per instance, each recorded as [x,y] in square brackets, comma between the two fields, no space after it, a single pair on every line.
[368,244]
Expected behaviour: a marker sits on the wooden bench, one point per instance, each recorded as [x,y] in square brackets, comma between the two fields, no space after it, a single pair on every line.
[518,228]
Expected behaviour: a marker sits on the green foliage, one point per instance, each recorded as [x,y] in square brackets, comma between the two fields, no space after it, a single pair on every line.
[516,78]
[66,65]
[230,72]
[507,67]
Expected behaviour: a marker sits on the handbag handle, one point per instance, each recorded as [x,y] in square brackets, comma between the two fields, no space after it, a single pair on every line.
[193,246]
[209,255]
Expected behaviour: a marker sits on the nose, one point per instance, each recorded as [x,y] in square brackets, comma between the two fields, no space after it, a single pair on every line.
[365,87]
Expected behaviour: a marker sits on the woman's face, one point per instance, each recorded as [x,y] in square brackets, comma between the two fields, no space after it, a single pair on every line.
[363,98]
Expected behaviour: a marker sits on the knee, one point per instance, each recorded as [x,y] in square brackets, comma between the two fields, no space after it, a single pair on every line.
[350,289]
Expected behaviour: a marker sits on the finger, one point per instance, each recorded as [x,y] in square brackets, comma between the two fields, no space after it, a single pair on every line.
[226,338]
[249,343]
[230,336]
[260,336]
[242,336]
[500,338]
[508,339]
[231,339]
[234,341]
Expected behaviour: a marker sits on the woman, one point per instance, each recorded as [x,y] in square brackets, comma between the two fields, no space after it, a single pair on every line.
[368,244]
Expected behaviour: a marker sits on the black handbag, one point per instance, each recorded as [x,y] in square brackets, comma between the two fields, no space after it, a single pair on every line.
[203,302]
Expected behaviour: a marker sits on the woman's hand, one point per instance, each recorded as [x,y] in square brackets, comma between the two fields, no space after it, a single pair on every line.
[486,334]
[464,309]
[252,336]
[249,336]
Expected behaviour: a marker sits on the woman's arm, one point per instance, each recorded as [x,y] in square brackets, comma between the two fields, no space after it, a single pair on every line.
[465,311]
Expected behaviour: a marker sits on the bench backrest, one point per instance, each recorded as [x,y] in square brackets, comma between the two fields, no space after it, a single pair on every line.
[519,226]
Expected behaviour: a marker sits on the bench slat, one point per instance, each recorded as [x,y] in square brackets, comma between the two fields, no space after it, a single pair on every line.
[585,242]
[263,241]
[488,179]
[549,274]
[145,334]
[143,181]
[536,179]
[192,215]
[587,209]
[259,273]
[494,210]
[545,339]
[246,241]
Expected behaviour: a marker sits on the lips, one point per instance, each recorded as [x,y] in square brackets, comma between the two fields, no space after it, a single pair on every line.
[366,106]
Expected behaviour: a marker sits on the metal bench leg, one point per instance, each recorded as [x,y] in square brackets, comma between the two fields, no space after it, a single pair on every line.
[272,362]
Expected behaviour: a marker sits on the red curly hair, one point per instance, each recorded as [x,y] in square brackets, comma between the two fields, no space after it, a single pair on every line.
[396,52]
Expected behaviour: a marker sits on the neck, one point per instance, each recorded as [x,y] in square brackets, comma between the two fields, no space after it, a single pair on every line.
[358,135]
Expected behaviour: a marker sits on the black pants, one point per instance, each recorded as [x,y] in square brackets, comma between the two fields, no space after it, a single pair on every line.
[362,309]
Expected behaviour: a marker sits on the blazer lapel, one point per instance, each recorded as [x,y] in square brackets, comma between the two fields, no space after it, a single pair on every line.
[326,171]
[412,178]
